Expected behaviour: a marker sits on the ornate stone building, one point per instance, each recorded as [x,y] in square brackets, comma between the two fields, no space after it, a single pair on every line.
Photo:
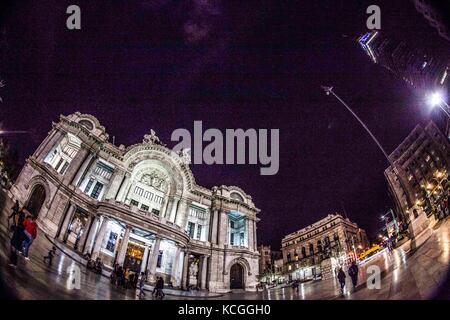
[265,258]
[422,161]
[333,237]
[139,206]
[420,177]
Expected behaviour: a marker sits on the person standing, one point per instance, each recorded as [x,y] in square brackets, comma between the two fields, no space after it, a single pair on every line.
[17,238]
[353,273]
[120,279]
[15,212]
[341,277]
[50,255]
[159,288]
[30,233]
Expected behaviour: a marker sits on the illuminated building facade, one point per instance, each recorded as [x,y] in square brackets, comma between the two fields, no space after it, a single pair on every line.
[423,162]
[265,258]
[140,207]
[333,237]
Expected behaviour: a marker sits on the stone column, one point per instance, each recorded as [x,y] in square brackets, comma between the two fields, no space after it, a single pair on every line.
[168,209]
[185,274]
[99,238]
[144,259]
[176,265]
[75,164]
[91,235]
[255,242]
[86,230]
[67,219]
[53,139]
[182,214]
[223,228]
[249,230]
[115,183]
[123,188]
[124,246]
[173,214]
[87,163]
[204,265]
[164,205]
[153,260]
[213,226]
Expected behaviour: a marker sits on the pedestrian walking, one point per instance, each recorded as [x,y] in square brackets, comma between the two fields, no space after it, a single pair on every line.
[30,233]
[159,288]
[50,255]
[341,277]
[353,273]
[142,280]
[120,277]
[17,238]
[15,211]
[295,285]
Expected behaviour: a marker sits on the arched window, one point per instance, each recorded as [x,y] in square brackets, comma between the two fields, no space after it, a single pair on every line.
[304,252]
[87,124]
[311,249]
[236,196]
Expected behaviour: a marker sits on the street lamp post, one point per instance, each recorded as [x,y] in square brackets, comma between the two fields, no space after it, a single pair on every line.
[383,217]
[328,91]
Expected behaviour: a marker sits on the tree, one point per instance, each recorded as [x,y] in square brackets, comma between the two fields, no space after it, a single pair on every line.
[8,162]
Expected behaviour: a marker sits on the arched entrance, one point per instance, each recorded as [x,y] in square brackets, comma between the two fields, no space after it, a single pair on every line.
[236,276]
[36,200]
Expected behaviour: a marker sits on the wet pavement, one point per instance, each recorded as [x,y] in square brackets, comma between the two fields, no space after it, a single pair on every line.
[417,276]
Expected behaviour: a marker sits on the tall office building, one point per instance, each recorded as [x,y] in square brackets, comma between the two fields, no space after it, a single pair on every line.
[421,70]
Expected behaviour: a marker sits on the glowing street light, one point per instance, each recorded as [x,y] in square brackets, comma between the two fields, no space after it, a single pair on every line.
[436,99]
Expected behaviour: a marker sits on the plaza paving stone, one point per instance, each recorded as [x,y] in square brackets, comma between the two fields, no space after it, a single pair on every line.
[406,276]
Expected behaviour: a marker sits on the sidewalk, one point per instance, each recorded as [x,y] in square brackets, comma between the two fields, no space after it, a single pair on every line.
[34,279]
[106,273]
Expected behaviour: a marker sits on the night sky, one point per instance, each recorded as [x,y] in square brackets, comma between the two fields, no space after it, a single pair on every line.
[162,64]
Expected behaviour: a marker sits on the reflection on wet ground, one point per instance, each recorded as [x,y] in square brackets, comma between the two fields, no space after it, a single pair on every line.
[405,277]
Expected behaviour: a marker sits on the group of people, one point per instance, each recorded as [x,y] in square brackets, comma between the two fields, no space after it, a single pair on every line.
[128,279]
[94,265]
[124,277]
[441,209]
[352,272]
[23,232]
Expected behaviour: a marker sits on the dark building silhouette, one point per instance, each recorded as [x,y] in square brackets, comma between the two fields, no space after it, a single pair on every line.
[424,72]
